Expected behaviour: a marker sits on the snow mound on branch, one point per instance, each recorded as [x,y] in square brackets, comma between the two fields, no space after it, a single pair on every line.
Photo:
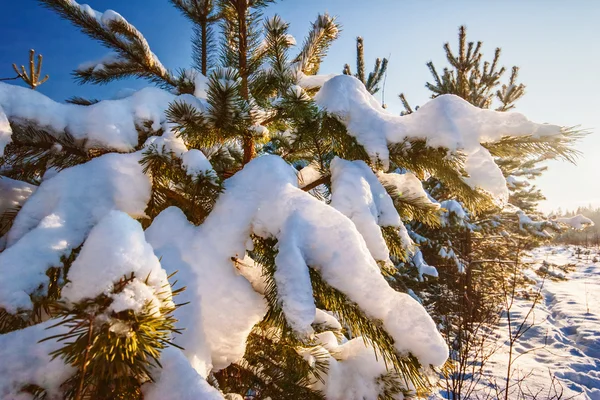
[168,142]
[312,81]
[116,248]
[577,222]
[407,186]
[106,19]
[455,209]
[223,306]
[26,361]
[263,199]
[178,380]
[195,162]
[357,193]
[5,131]
[98,65]
[107,124]
[422,266]
[446,121]
[60,214]
[308,175]
[353,370]
[13,193]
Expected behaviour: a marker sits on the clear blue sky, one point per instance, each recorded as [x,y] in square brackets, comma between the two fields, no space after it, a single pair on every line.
[554,42]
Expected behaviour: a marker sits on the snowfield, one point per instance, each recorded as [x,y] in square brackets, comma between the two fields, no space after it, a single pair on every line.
[564,338]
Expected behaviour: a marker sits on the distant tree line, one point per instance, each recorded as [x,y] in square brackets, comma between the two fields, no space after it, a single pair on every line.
[589,236]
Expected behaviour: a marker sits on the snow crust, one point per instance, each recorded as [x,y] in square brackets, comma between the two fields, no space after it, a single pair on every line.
[446,121]
[453,209]
[106,19]
[312,81]
[60,214]
[422,266]
[200,85]
[168,142]
[308,175]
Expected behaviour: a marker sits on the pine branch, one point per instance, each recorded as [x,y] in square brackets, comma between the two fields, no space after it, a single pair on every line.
[322,34]
[203,15]
[114,32]
[33,151]
[81,101]
[360,60]
[33,77]
[548,147]
[109,363]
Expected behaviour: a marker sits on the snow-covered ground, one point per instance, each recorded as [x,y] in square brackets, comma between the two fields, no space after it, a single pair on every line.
[564,340]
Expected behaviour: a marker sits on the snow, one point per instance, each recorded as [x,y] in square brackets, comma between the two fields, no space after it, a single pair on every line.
[313,81]
[98,65]
[26,361]
[60,214]
[5,131]
[453,208]
[195,163]
[407,186]
[259,130]
[576,222]
[223,306]
[168,142]
[252,271]
[308,175]
[326,320]
[178,380]
[357,193]
[291,40]
[565,338]
[115,248]
[422,266]
[353,370]
[446,121]
[526,223]
[107,18]
[200,85]
[107,124]
[13,193]
[264,199]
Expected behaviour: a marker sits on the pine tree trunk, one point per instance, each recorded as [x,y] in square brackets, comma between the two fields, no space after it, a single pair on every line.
[204,32]
[248,147]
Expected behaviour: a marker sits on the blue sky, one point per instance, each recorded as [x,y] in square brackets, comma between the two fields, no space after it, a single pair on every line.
[554,42]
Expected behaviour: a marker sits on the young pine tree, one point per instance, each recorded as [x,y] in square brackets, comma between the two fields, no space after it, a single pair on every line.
[248,180]
[477,243]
